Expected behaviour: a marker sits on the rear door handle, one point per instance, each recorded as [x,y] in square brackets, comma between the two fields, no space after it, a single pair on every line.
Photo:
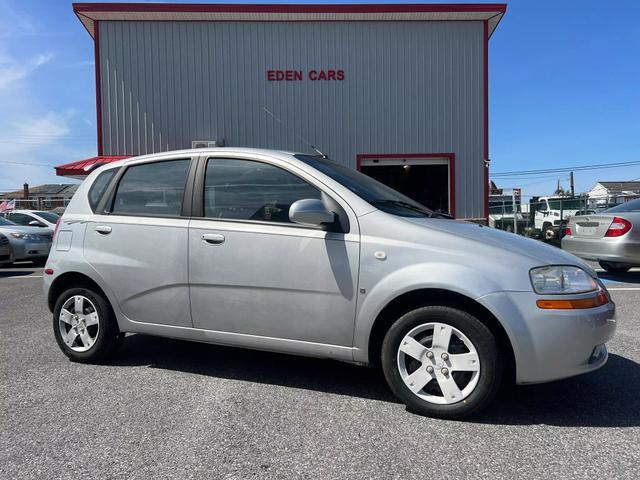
[103,229]
[213,238]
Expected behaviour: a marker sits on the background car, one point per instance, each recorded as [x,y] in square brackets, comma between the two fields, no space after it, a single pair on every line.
[32,218]
[611,238]
[27,243]
[6,252]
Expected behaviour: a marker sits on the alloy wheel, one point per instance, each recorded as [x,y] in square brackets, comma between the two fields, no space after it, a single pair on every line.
[438,363]
[79,323]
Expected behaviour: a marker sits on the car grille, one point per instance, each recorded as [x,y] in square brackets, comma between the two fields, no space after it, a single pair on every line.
[45,236]
[3,240]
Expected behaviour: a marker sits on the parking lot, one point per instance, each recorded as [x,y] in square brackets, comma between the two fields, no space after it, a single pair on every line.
[167,408]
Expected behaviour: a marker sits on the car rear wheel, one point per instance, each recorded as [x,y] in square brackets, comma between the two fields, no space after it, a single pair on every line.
[441,362]
[614,267]
[84,326]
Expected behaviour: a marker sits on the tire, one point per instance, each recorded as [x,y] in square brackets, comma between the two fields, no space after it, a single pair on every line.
[548,232]
[613,268]
[476,388]
[104,332]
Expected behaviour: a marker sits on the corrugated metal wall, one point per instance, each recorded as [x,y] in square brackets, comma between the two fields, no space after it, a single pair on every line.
[410,87]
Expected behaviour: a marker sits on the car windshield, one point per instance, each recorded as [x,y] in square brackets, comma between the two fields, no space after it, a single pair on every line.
[377,194]
[48,216]
[4,221]
[630,206]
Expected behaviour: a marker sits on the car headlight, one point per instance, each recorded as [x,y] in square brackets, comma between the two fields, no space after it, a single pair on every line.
[24,236]
[562,280]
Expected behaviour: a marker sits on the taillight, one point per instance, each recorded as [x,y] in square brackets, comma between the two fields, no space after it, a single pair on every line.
[618,227]
[567,231]
[55,230]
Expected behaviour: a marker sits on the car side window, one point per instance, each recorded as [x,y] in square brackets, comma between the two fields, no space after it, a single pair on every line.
[99,186]
[252,190]
[20,218]
[153,189]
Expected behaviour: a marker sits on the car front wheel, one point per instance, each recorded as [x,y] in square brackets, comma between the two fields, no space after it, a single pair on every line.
[442,362]
[84,326]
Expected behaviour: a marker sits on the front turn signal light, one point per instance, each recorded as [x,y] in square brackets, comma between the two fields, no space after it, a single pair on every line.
[576,304]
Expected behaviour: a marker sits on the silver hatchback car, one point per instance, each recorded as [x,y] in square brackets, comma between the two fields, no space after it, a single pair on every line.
[298,254]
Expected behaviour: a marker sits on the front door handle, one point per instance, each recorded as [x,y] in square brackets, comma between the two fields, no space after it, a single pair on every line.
[103,229]
[213,238]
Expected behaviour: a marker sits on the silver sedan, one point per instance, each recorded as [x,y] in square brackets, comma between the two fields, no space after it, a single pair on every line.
[611,238]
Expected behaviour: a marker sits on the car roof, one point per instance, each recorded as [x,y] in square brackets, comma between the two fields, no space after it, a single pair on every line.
[198,151]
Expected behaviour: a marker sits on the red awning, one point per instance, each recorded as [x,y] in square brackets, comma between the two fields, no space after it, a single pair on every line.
[80,168]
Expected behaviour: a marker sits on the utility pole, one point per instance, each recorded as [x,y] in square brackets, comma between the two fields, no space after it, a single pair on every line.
[513,203]
[573,192]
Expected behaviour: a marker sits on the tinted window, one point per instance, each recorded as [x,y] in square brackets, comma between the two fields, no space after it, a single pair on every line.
[630,206]
[5,222]
[152,189]
[99,187]
[49,216]
[248,190]
[21,218]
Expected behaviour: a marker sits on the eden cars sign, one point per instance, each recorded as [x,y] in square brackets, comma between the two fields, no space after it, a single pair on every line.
[300,75]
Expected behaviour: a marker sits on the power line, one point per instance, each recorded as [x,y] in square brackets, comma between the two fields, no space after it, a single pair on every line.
[567,169]
[28,163]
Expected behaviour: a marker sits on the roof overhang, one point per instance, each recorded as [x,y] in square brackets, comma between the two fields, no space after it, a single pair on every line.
[88,13]
[81,168]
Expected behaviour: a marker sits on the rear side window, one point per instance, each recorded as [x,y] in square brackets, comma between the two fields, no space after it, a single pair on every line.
[99,187]
[153,189]
[250,190]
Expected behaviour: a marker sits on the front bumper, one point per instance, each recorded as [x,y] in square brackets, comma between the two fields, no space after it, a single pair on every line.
[552,344]
[618,250]
[25,250]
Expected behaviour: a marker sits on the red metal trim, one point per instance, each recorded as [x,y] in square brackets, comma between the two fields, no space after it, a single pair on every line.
[452,168]
[96,52]
[287,8]
[78,167]
[485,163]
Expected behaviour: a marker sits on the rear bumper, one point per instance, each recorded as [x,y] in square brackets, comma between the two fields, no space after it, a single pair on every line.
[620,250]
[552,344]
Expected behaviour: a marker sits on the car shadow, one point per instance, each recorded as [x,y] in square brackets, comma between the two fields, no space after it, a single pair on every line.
[629,277]
[605,398]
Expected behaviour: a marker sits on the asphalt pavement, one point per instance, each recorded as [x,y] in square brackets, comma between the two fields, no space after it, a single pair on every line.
[172,409]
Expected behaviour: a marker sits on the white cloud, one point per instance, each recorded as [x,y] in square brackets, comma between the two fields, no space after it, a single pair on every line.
[13,71]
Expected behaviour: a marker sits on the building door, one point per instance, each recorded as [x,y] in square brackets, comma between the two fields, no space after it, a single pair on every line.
[426,179]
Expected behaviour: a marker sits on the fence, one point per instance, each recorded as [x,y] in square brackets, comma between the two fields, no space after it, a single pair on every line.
[39,203]
[544,218]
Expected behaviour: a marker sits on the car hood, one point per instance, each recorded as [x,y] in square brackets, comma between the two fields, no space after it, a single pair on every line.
[539,252]
[24,229]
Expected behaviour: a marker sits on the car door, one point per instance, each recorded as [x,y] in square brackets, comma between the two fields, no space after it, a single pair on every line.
[253,272]
[138,240]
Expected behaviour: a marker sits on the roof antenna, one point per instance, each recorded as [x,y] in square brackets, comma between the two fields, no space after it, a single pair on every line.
[304,140]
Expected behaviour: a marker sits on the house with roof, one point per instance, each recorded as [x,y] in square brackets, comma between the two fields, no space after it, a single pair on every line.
[604,194]
[41,197]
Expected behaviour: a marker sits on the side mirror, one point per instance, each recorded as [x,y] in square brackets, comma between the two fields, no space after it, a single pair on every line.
[36,223]
[311,211]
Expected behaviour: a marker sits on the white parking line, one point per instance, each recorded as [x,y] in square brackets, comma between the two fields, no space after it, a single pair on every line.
[622,288]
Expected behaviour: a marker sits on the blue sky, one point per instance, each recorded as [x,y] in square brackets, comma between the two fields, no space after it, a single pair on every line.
[564,90]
